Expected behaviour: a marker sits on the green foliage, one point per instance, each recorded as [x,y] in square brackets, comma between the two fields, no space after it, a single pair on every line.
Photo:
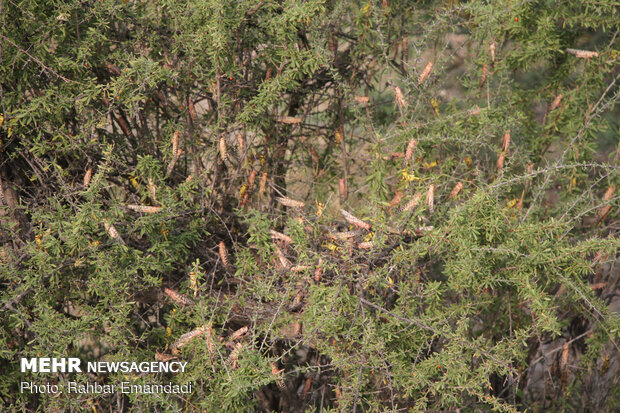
[174,167]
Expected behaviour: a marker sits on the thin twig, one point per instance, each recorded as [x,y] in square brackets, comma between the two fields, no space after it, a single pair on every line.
[43,65]
[577,136]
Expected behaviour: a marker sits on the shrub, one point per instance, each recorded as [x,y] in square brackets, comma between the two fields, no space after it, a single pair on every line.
[350,206]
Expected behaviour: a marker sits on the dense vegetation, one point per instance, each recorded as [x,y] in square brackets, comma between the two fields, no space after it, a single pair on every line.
[320,206]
